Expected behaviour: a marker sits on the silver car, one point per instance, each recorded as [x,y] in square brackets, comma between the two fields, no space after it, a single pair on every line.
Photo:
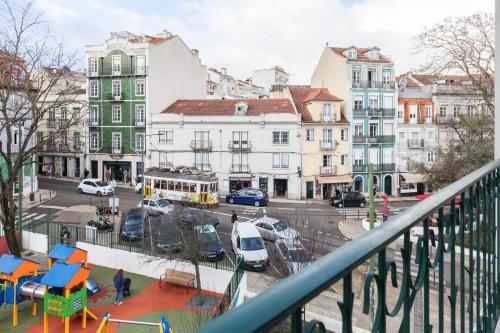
[157,206]
[293,255]
[273,229]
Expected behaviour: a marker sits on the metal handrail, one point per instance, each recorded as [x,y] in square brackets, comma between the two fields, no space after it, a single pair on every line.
[286,296]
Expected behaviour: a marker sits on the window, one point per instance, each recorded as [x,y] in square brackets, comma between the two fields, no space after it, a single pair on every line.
[373,130]
[117,114]
[161,136]
[201,161]
[358,102]
[39,137]
[373,102]
[280,137]
[327,137]
[352,53]
[358,130]
[117,88]
[239,162]
[93,66]
[139,114]
[343,159]
[117,64]
[442,111]
[327,160]
[94,115]
[76,138]
[470,110]
[64,138]
[94,141]
[116,141]
[430,136]
[165,136]
[140,62]
[240,139]
[430,156]
[327,112]
[386,76]
[139,87]
[52,138]
[16,137]
[456,111]
[356,75]
[400,111]
[310,134]
[280,160]
[344,134]
[139,141]
[201,139]
[94,88]
[428,111]
[64,114]
[165,158]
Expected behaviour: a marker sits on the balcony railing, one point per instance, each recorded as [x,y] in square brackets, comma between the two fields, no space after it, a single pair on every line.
[458,237]
[94,122]
[116,97]
[116,150]
[374,112]
[415,143]
[374,84]
[240,168]
[328,145]
[239,145]
[327,170]
[63,147]
[384,167]
[201,145]
[77,146]
[374,139]
[138,70]
[51,147]
[51,122]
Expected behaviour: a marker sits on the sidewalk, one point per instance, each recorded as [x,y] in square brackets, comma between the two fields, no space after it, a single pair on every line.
[77,180]
[41,197]
[351,229]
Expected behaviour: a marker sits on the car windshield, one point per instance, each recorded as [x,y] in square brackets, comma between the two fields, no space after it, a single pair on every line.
[133,220]
[209,237]
[162,203]
[299,256]
[101,183]
[280,226]
[252,244]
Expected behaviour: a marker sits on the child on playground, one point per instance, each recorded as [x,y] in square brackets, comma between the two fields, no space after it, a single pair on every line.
[118,280]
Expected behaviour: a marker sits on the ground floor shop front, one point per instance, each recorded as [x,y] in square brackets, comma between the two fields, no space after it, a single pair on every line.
[123,170]
[325,187]
[60,165]
[382,183]
[277,185]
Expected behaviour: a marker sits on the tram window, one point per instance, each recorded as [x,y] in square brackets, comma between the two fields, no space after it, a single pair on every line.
[157,184]
[185,187]
[192,188]
[204,188]
[171,186]
[164,184]
[212,187]
[177,186]
[148,182]
[216,187]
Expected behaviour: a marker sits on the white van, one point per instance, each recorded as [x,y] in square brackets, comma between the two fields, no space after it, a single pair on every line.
[247,242]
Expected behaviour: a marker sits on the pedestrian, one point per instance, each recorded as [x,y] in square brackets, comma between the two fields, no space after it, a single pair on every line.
[108,175]
[125,176]
[234,217]
[337,192]
[118,281]
[65,236]
[86,174]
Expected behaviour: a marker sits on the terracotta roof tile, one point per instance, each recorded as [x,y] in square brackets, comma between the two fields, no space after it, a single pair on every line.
[361,55]
[301,96]
[225,107]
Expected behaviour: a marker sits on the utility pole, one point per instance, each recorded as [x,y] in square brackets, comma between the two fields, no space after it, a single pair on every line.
[371,218]
[20,184]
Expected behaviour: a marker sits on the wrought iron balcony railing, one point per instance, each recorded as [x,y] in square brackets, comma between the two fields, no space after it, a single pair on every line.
[115,97]
[328,145]
[123,71]
[240,168]
[458,242]
[383,167]
[415,143]
[64,147]
[374,84]
[374,112]
[201,145]
[373,139]
[328,170]
[239,145]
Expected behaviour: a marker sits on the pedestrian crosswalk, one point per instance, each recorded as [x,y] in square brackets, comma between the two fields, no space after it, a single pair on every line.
[251,210]
[355,213]
[31,217]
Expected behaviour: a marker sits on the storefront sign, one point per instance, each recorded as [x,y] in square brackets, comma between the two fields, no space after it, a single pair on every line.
[280,176]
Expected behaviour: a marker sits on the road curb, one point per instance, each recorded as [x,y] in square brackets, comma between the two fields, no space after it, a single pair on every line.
[341,226]
[43,202]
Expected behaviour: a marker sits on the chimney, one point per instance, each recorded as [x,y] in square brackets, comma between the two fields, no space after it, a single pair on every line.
[195,52]
[224,70]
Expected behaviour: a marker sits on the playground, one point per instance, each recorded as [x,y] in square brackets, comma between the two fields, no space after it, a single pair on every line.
[61,292]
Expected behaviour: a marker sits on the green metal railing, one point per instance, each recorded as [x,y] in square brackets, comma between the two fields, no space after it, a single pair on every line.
[465,247]
[226,301]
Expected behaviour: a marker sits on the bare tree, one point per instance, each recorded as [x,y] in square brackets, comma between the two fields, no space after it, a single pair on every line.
[33,65]
[463,46]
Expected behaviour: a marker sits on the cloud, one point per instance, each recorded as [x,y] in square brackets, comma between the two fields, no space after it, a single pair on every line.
[245,35]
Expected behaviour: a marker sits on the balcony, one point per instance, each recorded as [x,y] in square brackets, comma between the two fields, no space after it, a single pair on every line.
[328,145]
[453,89]
[63,123]
[373,85]
[51,147]
[239,145]
[64,147]
[77,147]
[94,122]
[415,143]
[198,145]
[384,167]
[51,122]
[374,139]
[116,150]
[328,170]
[203,167]
[116,97]
[359,168]
[139,122]
[374,112]
[239,168]
[123,71]
[435,282]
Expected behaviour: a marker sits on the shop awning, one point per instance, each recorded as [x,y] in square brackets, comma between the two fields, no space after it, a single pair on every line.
[414,178]
[334,179]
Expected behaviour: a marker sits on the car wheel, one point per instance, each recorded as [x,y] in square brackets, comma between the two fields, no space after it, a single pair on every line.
[340,205]
[231,201]
[362,204]
[257,204]
[99,194]
[80,191]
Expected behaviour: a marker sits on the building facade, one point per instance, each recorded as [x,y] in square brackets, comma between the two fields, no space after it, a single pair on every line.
[130,78]
[222,85]
[269,77]
[246,143]
[325,142]
[364,79]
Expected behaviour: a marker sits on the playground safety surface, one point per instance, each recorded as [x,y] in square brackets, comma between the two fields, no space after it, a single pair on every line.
[147,303]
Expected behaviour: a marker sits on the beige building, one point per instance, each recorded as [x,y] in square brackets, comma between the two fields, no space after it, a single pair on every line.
[325,142]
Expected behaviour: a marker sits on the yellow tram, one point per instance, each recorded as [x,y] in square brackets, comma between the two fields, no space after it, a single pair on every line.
[189,189]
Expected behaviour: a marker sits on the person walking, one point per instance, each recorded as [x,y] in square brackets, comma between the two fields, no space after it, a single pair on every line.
[234,217]
[65,236]
[119,281]
[86,174]
[125,176]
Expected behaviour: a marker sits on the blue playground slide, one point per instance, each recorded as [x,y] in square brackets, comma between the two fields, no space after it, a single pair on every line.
[92,287]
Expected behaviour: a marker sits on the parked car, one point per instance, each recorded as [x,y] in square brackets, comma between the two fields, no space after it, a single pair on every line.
[293,254]
[168,235]
[209,242]
[273,229]
[192,217]
[248,196]
[132,226]
[95,186]
[349,199]
[156,206]
[247,242]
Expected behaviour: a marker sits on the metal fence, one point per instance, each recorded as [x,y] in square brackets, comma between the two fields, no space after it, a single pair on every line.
[468,301]
[227,300]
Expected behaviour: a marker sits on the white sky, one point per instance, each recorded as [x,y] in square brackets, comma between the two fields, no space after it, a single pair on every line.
[244,35]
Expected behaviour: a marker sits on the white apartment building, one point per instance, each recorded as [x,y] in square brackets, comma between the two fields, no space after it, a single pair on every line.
[269,77]
[246,143]
[222,85]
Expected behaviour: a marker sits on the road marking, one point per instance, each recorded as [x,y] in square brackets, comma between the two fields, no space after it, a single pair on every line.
[286,208]
[52,207]
[316,209]
[225,214]
[264,210]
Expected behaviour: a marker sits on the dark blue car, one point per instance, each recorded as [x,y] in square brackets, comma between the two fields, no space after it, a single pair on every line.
[248,196]
[132,227]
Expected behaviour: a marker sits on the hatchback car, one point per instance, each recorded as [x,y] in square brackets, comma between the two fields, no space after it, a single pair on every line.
[349,199]
[293,254]
[248,196]
[209,242]
[168,235]
[95,186]
[132,227]
[273,229]
[247,242]
[157,206]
